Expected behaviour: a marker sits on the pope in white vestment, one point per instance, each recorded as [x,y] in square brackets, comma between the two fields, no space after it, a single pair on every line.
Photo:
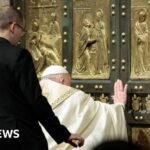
[94,120]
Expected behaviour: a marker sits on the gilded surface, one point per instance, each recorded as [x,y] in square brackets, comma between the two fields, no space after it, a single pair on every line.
[43,39]
[4,2]
[136,103]
[90,41]
[141,137]
[147,104]
[104,98]
[140,39]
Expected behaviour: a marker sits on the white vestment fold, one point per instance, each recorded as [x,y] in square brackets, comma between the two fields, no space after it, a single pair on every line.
[94,120]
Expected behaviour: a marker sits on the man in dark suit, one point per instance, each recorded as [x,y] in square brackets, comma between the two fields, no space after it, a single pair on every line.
[21,103]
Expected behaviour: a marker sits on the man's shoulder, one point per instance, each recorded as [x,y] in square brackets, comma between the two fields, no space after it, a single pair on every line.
[80,93]
[15,50]
[20,53]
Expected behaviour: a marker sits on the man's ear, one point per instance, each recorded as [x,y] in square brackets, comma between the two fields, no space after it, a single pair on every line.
[61,80]
[12,27]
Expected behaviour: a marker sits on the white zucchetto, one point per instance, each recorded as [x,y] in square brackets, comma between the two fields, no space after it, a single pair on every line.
[54,69]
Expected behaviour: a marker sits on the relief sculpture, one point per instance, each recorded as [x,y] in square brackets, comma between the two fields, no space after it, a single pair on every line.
[91,50]
[103,98]
[85,44]
[44,33]
[140,53]
[34,46]
[140,136]
[136,103]
[102,53]
[148,103]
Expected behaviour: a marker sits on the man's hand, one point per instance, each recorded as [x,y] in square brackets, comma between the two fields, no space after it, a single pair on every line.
[120,93]
[75,140]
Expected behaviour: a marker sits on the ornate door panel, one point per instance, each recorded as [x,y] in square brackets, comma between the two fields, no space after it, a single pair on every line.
[94,48]
[98,41]
[138,70]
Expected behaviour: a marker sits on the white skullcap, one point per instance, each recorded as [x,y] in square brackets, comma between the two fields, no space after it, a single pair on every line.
[54,69]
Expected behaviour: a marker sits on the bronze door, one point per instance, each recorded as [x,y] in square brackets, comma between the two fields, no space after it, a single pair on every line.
[98,41]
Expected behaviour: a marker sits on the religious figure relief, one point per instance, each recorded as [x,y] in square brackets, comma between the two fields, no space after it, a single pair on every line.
[55,35]
[140,136]
[92,48]
[53,2]
[136,103]
[93,51]
[104,98]
[44,2]
[102,49]
[141,55]
[32,2]
[51,42]
[85,41]
[43,38]
[147,104]
[44,34]
[45,25]
[34,47]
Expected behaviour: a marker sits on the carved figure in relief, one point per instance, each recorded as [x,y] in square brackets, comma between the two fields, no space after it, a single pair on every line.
[34,46]
[53,2]
[136,103]
[33,2]
[93,51]
[102,49]
[44,24]
[55,35]
[142,54]
[148,103]
[103,98]
[85,41]
[143,139]
[44,2]
[51,43]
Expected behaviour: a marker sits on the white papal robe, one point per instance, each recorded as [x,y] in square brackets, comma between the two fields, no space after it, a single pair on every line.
[94,120]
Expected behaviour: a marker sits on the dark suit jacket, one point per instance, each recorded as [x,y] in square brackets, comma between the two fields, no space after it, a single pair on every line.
[22,104]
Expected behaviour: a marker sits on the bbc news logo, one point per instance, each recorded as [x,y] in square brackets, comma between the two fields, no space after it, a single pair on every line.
[9,134]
